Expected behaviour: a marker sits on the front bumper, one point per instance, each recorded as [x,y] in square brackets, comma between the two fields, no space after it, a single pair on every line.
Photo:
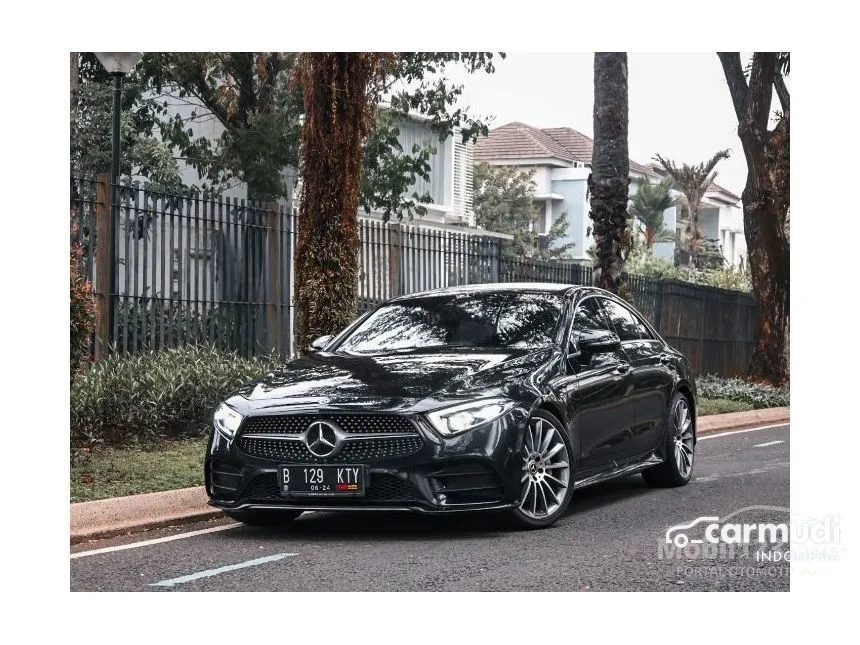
[477,470]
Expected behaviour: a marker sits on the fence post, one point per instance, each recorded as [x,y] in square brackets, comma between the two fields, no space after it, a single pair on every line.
[497,249]
[394,255]
[276,286]
[103,266]
[658,304]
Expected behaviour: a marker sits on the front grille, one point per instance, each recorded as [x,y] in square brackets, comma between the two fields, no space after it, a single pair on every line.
[354,451]
[350,423]
[382,488]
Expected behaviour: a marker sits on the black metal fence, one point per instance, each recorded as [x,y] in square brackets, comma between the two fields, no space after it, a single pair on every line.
[84,203]
[206,269]
[191,269]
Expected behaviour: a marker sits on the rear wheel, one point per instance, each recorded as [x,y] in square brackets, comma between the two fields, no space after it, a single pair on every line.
[263,518]
[680,447]
[546,477]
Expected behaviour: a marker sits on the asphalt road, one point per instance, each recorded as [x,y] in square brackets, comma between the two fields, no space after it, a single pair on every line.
[612,538]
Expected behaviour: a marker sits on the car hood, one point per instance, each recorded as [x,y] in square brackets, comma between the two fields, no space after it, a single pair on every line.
[394,382]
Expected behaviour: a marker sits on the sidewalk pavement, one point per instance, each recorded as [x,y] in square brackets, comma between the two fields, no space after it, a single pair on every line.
[122,515]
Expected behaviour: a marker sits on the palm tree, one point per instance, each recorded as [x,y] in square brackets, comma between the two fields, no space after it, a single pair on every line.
[610,169]
[647,207]
[693,182]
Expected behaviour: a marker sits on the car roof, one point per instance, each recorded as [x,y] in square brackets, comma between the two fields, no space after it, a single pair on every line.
[495,287]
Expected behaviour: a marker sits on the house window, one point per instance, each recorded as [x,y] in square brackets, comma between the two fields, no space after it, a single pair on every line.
[420,134]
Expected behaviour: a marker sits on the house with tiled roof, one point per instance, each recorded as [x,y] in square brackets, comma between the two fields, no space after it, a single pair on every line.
[560,159]
[721,220]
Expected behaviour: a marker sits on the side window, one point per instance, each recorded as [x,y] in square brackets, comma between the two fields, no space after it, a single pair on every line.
[589,315]
[626,325]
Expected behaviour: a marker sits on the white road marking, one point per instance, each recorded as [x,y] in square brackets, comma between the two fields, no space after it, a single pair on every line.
[769,443]
[137,545]
[726,434]
[214,572]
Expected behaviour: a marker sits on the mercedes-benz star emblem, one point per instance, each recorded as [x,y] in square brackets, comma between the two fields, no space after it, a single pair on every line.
[322,439]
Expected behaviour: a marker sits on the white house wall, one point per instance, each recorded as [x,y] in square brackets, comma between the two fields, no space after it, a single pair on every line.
[709,223]
[666,250]
[571,184]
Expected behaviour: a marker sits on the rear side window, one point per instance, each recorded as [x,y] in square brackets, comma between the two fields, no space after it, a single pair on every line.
[627,325]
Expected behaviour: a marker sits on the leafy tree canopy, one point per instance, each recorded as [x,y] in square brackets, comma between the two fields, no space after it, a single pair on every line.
[256,100]
[504,202]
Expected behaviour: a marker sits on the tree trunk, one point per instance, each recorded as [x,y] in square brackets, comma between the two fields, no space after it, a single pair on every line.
[694,235]
[340,92]
[610,169]
[650,234]
[769,271]
[74,80]
[766,203]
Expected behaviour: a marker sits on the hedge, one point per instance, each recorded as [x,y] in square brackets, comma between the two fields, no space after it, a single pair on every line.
[168,392]
[760,395]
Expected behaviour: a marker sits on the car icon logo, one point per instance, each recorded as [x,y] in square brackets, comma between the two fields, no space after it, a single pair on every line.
[677,534]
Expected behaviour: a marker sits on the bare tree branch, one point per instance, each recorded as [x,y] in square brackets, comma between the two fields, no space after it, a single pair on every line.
[206,94]
[781,91]
[761,89]
[736,81]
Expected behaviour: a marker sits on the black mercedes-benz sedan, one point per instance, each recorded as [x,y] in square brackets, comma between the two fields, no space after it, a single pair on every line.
[504,397]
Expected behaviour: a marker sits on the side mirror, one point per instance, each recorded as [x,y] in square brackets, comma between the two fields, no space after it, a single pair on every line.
[319,344]
[596,341]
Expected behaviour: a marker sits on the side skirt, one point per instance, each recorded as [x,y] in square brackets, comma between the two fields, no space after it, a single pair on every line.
[652,459]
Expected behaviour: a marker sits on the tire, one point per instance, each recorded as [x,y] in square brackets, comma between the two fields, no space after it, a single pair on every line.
[680,447]
[263,518]
[543,472]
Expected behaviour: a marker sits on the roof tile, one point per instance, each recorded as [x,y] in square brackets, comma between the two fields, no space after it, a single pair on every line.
[521,141]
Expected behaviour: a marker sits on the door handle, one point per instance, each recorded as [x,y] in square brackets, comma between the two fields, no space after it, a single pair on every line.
[622,368]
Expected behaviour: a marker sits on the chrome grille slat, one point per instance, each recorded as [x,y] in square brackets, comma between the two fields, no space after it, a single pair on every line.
[355,437]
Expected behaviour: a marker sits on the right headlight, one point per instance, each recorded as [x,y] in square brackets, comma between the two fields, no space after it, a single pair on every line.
[227,420]
[465,416]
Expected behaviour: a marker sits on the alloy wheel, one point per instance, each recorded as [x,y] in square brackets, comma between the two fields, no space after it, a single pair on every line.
[682,424]
[546,470]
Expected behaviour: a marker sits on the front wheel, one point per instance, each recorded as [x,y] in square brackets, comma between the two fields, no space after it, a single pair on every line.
[546,479]
[680,447]
[263,518]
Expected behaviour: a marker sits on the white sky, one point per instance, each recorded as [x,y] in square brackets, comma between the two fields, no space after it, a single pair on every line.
[679,103]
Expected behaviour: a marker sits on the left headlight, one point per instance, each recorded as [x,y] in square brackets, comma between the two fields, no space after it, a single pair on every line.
[227,420]
[465,416]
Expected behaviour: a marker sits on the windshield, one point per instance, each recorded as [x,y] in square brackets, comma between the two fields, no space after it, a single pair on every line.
[493,319]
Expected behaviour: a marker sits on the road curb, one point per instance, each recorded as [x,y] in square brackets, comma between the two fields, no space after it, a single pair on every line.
[122,515]
[741,420]
[106,518]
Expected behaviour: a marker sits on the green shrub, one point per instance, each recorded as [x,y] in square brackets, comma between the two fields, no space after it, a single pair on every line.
[721,406]
[728,277]
[81,306]
[759,395]
[169,392]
